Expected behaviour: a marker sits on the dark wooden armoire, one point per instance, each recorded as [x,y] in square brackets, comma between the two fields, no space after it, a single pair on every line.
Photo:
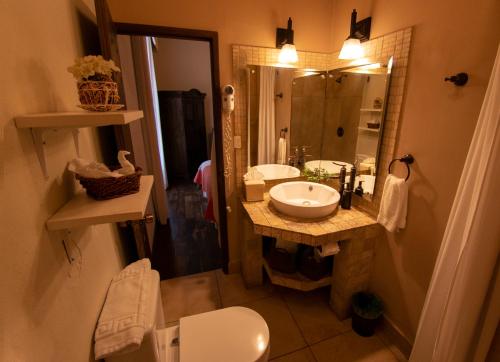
[182,115]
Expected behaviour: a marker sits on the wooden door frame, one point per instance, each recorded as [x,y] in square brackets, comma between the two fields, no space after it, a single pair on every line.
[212,38]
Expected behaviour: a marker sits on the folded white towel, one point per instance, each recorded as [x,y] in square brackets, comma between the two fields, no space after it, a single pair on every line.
[393,207]
[281,151]
[122,322]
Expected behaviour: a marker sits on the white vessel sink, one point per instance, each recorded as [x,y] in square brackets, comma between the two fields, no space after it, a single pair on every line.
[277,172]
[303,199]
[327,165]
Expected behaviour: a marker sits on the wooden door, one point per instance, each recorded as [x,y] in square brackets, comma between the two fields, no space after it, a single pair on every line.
[194,127]
[109,49]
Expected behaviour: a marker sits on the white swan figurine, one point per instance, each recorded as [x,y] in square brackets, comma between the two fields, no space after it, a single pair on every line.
[127,168]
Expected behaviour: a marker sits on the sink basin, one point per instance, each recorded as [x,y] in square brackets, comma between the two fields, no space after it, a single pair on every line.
[328,165]
[303,199]
[277,172]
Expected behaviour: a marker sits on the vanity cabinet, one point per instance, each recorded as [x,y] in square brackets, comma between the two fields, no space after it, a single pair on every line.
[354,230]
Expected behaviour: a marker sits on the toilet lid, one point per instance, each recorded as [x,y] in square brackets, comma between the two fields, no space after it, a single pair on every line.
[234,334]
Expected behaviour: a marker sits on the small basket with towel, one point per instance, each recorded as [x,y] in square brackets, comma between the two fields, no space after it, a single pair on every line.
[103,183]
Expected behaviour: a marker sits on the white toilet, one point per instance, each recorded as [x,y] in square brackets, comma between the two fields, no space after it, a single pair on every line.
[234,334]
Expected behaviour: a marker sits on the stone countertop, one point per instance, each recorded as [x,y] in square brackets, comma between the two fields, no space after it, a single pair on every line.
[341,225]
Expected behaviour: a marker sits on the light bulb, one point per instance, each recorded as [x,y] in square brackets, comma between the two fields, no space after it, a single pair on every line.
[351,49]
[288,54]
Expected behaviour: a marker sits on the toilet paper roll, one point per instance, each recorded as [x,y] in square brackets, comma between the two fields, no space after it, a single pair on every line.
[328,249]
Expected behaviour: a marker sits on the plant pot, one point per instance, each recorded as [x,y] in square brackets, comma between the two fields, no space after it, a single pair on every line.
[98,95]
[367,309]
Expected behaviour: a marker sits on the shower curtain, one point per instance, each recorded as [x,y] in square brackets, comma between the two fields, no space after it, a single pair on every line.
[148,100]
[266,152]
[464,272]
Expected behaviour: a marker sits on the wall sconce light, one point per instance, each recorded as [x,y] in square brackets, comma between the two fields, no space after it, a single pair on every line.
[360,31]
[284,40]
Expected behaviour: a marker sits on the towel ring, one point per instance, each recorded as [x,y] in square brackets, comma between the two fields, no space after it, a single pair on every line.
[407,160]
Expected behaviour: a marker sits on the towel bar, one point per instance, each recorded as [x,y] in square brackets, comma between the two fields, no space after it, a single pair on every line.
[407,160]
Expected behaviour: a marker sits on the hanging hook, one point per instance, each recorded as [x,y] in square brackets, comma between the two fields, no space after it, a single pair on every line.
[459,79]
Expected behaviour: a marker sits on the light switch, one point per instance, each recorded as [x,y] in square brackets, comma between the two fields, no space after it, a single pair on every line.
[237,142]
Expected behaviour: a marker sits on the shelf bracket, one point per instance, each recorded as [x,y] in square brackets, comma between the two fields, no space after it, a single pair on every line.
[37,135]
[76,133]
[65,240]
[39,143]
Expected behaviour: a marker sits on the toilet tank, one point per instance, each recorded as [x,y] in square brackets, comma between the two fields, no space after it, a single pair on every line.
[148,351]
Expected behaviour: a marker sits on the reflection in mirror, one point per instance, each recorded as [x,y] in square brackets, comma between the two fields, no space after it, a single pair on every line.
[269,114]
[316,121]
[353,120]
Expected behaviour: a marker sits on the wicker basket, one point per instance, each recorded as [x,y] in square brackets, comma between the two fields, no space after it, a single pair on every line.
[103,94]
[111,187]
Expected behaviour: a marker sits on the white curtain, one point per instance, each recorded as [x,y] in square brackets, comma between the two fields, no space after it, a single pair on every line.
[266,152]
[148,100]
[451,317]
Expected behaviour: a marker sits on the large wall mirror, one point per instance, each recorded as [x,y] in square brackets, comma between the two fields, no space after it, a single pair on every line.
[328,118]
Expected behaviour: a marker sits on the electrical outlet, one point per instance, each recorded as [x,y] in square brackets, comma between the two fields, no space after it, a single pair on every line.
[237,142]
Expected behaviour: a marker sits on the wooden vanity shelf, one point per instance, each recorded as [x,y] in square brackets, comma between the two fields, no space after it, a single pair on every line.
[295,280]
[39,123]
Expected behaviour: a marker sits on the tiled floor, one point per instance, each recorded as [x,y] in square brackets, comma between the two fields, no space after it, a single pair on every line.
[302,326]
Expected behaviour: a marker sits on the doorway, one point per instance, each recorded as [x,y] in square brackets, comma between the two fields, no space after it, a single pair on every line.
[184,86]
[151,140]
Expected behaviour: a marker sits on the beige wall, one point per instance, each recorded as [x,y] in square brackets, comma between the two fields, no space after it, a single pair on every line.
[49,308]
[436,126]
[237,22]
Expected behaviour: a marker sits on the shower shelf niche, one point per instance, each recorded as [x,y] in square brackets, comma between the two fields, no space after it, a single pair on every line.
[39,123]
[371,109]
[374,130]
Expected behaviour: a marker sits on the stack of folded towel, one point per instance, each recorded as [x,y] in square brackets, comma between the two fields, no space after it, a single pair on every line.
[122,322]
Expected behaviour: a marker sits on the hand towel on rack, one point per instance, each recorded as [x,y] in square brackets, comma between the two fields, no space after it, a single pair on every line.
[393,207]
[122,322]
[281,151]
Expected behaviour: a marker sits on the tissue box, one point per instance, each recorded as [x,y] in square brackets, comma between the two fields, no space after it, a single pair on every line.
[254,190]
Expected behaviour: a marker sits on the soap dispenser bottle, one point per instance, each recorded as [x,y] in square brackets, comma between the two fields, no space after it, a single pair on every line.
[345,200]
[359,190]
[342,174]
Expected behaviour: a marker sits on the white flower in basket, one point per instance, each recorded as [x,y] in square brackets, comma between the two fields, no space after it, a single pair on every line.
[96,89]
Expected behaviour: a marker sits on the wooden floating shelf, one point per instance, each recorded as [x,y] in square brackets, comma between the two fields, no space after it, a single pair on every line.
[82,210]
[39,123]
[374,130]
[295,280]
[371,109]
[77,119]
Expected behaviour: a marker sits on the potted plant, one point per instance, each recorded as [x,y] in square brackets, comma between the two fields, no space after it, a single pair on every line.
[367,309]
[318,175]
[97,90]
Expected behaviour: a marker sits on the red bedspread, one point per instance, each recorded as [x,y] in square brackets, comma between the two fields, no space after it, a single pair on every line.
[204,179]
